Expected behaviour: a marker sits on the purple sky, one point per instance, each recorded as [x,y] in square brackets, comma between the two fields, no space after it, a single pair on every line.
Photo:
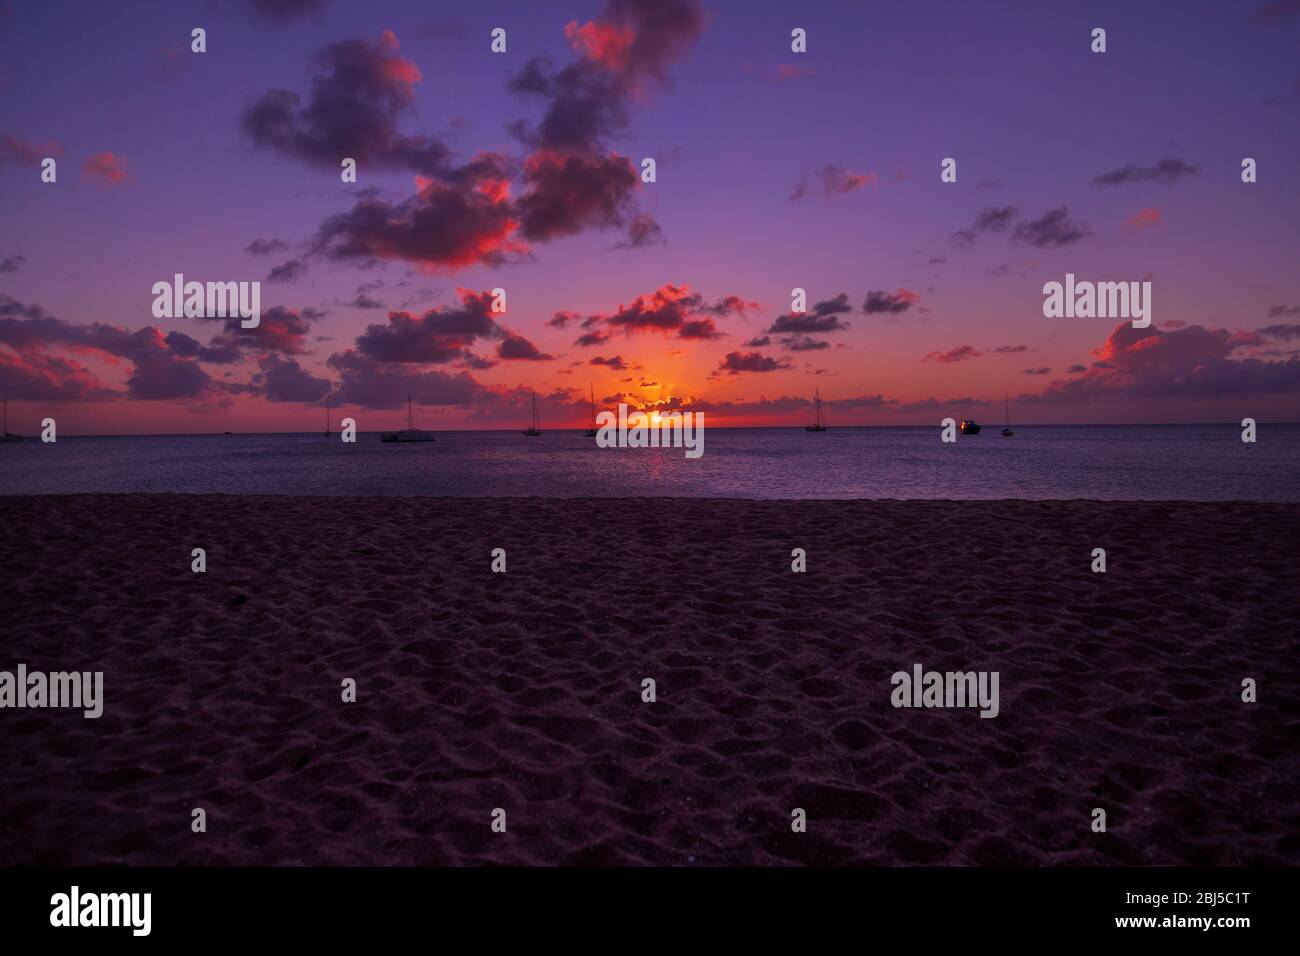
[775,170]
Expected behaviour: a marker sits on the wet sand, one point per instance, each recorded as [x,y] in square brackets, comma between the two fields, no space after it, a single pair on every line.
[523,690]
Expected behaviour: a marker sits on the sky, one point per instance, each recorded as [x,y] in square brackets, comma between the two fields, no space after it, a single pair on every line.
[522,171]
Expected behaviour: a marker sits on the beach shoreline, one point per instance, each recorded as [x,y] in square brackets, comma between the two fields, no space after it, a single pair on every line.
[523,690]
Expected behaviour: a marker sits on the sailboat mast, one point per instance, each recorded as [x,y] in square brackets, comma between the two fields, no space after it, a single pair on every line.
[593,406]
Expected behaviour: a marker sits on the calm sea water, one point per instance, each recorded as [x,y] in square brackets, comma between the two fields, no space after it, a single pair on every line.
[1196,462]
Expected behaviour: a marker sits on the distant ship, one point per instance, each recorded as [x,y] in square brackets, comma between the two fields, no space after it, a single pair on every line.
[532,431]
[969,427]
[410,432]
[817,426]
[5,434]
[591,432]
[1007,432]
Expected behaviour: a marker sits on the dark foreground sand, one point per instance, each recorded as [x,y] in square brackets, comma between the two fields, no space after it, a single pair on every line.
[522,690]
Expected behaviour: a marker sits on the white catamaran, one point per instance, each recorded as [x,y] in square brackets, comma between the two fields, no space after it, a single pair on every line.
[410,432]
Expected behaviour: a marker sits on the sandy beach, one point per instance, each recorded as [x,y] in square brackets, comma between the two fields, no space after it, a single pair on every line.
[523,690]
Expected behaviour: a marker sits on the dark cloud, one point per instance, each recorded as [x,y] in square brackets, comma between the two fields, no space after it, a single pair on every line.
[803,343]
[159,371]
[961,353]
[1041,370]
[1190,362]
[737,362]
[359,93]
[265,247]
[284,380]
[436,337]
[642,231]
[441,226]
[900,300]
[990,219]
[1166,171]
[515,347]
[281,12]
[831,181]
[822,317]
[1284,332]
[287,271]
[11,263]
[614,362]
[1010,349]
[1053,229]
[1280,310]
[569,192]
[592,338]
[561,319]
[670,309]
[280,330]
[372,384]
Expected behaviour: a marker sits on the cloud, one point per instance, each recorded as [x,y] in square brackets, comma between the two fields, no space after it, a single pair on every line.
[360,91]
[517,348]
[1144,217]
[1280,310]
[104,168]
[569,192]
[265,247]
[831,181]
[159,372]
[16,151]
[281,329]
[1053,229]
[280,12]
[11,263]
[284,380]
[1188,362]
[823,317]
[961,353]
[737,362]
[671,309]
[1037,371]
[642,231]
[990,219]
[1167,171]
[1010,349]
[1283,332]
[879,302]
[440,227]
[803,343]
[373,384]
[437,337]
[614,362]
[287,271]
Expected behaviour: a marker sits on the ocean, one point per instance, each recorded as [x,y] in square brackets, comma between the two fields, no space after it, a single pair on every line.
[1139,462]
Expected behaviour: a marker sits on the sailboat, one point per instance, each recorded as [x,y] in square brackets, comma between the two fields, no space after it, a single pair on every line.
[532,431]
[410,432]
[591,432]
[4,431]
[817,426]
[1007,432]
[327,416]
